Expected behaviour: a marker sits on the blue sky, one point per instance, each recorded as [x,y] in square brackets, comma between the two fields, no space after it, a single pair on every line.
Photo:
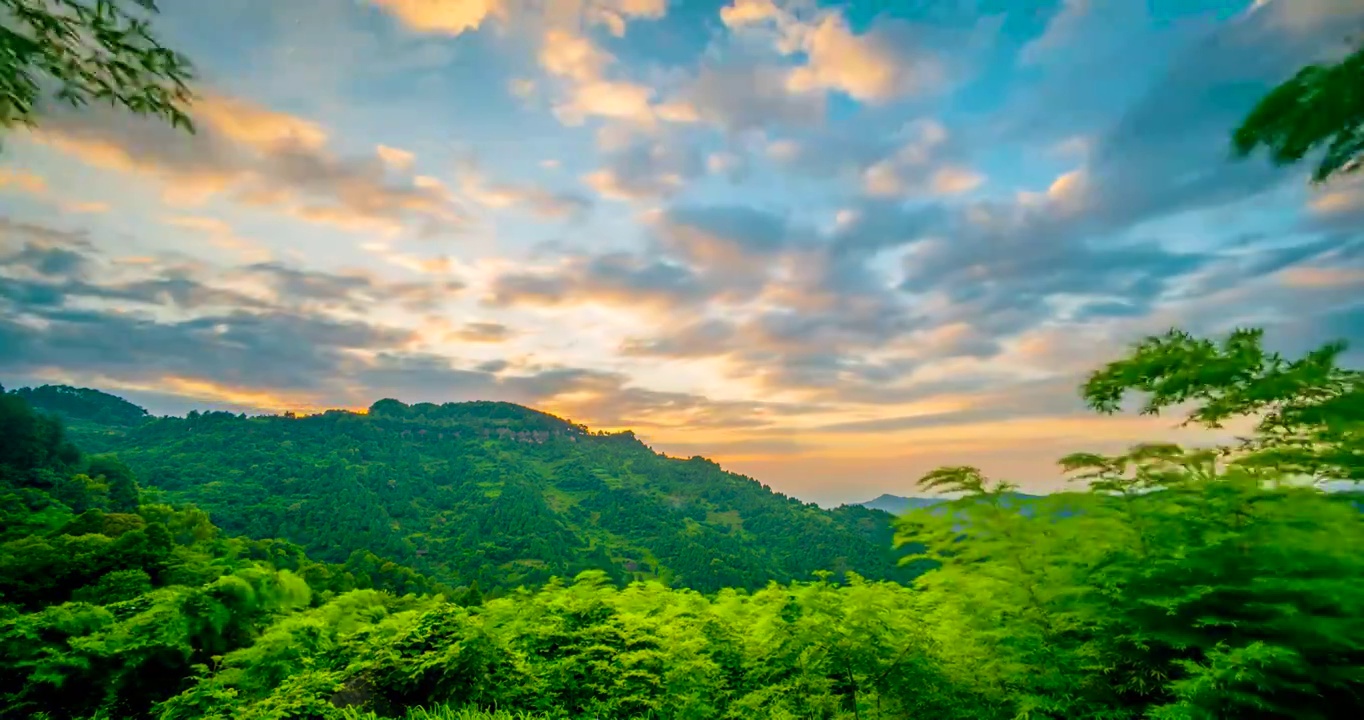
[831,245]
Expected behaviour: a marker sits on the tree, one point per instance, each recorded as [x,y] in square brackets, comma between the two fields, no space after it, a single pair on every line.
[81,51]
[123,493]
[1310,411]
[1323,105]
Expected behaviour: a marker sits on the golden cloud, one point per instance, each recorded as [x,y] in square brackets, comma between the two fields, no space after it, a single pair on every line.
[258,157]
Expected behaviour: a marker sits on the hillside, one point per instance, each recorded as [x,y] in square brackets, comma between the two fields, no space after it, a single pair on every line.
[484,492]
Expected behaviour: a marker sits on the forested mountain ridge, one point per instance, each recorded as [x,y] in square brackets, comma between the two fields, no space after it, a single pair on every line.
[485,492]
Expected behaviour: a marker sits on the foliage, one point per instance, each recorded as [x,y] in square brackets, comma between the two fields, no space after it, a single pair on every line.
[1320,106]
[73,404]
[109,605]
[488,493]
[80,52]
[1310,411]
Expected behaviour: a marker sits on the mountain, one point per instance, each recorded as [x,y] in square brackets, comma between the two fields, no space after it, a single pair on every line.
[897,505]
[484,492]
[84,410]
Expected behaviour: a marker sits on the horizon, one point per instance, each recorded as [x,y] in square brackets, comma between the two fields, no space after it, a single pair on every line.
[828,247]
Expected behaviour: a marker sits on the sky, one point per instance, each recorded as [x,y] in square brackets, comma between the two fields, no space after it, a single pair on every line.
[830,245]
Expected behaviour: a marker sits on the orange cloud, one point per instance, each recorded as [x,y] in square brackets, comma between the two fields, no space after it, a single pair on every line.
[1320,277]
[864,67]
[581,67]
[23,180]
[259,127]
[87,208]
[262,158]
[221,235]
[35,185]
[1343,198]
[395,157]
[954,180]
[450,17]
[455,17]
[870,67]
[909,169]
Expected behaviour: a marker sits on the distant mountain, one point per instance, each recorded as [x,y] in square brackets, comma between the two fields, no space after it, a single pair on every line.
[486,492]
[74,404]
[898,505]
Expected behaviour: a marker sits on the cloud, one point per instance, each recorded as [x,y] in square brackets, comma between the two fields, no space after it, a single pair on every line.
[455,17]
[582,73]
[581,68]
[35,185]
[646,169]
[257,157]
[713,254]
[873,67]
[277,360]
[922,165]
[542,202]
[887,157]
[614,278]
[745,94]
[719,236]
[1064,27]
[66,268]
[483,332]
[451,17]
[891,60]
[222,235]
[24,181]
[285,348]
[396,158]
[579,71]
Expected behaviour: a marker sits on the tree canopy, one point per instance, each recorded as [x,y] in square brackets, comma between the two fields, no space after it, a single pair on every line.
[1321,107]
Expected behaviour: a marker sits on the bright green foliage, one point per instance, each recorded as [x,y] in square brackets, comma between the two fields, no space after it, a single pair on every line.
[1182,584]
[460,714]
[588,649]
[1168,592]
[106,605]
[82,51]
[488,493]
[1320,107]
[1311,412]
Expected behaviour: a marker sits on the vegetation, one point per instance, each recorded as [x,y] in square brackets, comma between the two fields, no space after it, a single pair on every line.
[1177,584]
[83,51]
[1321,107]
[483,493]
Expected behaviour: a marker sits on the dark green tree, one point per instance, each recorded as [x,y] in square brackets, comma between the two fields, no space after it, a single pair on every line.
[1321,106]
[123,492]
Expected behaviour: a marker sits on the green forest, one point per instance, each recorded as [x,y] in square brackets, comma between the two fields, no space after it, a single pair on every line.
[487,494]
[1171,583]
